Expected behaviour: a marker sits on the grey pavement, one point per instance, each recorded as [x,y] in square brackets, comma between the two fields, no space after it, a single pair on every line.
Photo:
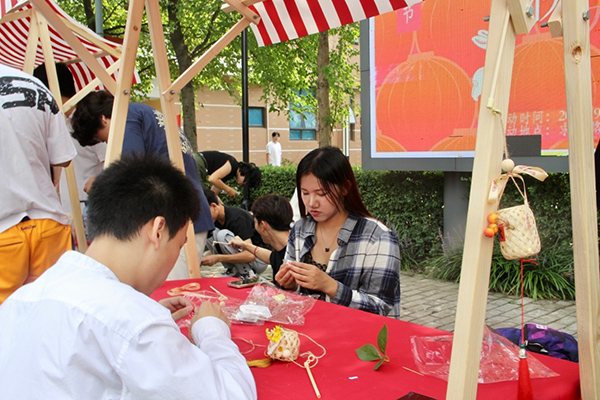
[432,303]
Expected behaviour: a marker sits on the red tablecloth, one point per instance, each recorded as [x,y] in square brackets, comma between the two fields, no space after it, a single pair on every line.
[340,374]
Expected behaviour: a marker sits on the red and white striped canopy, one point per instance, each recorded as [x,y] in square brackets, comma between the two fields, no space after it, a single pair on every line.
[14,35]
[283,20]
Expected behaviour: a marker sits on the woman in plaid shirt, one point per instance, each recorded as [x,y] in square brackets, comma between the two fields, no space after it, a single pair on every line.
[345,255]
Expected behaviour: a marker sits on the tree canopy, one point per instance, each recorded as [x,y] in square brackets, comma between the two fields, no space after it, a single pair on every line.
[282,70]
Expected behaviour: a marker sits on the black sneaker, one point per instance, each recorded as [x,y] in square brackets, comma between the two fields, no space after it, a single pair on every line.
[229,272]
[248,276]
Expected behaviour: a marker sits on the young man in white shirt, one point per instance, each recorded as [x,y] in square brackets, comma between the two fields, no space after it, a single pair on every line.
[274,150]
[87,328]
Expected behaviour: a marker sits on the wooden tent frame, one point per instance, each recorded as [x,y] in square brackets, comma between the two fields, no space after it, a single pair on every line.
[41,15]
[168,89]
[507,19]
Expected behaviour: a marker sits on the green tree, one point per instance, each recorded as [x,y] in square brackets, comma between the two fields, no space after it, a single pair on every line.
[281,70]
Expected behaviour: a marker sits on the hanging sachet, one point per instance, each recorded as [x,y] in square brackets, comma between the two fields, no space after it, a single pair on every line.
[516,226]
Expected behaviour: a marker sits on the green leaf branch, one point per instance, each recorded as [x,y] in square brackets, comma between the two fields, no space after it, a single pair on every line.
[368,352]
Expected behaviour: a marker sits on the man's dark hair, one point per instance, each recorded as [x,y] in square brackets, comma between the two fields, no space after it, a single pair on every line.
[135,189]
[275,134]
[275,210]
[251,173]
[66,83]
[87,119]
[211,196]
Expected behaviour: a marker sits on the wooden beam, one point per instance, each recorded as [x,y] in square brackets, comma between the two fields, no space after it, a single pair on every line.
[207,57]
[93,38]
[13,16]
[578,78]
[555,21]
[44,8]
[522,15]
[50,65]
[32,43]
[230,8]
[123,90]
[91,86]
[244,10]
[477,253]
[163,75]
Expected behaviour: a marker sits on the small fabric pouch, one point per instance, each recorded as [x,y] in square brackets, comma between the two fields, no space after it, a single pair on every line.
[518,232]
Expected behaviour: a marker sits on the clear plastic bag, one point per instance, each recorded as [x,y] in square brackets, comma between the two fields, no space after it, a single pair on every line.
[229,305]
[269,303]
[499,358]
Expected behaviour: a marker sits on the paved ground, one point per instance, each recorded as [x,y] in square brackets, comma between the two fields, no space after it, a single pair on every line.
[433,303]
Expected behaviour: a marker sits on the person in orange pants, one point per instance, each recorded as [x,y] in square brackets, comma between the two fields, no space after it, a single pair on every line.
[34,229]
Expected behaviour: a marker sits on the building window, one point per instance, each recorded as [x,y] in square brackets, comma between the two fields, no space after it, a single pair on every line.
[303,124]
[256,116]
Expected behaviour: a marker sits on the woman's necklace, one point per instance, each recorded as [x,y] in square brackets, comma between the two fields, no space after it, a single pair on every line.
[327,248]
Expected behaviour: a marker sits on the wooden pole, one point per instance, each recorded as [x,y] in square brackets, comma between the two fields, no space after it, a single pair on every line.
[477,254]
[170,114]
[578,78]
[41,30]
[123,88]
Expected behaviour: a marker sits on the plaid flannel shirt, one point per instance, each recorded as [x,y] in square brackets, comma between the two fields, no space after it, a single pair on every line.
[366,264]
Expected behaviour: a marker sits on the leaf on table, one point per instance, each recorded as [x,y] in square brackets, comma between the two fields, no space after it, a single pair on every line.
[368,352]
[382,339]
[379,363]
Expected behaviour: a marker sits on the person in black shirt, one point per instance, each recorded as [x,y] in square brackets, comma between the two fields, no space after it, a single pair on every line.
[218,168]
[272,220]
[231,222]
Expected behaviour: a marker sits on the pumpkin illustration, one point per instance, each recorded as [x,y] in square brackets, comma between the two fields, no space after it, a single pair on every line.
[422,100]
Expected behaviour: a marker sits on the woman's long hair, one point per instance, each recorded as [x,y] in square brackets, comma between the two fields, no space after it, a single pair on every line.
[332,168]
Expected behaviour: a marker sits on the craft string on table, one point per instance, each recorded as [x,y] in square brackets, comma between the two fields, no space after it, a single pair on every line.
[185,289]
[254,346]
[284,345]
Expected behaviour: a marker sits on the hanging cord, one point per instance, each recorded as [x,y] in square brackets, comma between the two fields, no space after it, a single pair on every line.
[532,261]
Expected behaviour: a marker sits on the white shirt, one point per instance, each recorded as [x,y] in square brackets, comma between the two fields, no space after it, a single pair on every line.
[79,333]
[34,136]
[274,151]
[88,163]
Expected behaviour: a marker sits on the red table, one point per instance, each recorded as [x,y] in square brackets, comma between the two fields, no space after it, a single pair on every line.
[341,375]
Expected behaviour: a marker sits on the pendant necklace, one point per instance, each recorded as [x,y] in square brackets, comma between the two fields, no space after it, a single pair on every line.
[327,248]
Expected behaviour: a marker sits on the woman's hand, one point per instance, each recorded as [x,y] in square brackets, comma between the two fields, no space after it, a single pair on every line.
[231,192]
[179,306]
[311,277]
[285,279]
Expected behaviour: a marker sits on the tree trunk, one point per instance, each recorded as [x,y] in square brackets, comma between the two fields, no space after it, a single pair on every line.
[90,15]
[184,60]
[323,111]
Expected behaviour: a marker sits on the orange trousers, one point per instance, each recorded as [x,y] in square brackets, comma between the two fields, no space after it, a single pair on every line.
[28,249]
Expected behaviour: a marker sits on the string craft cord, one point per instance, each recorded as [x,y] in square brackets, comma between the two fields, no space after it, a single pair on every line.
[311,359]
[259,363]
[250,342]
[190,287]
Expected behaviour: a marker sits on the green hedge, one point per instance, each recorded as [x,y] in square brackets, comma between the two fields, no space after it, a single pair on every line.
[409,202]
[412,204]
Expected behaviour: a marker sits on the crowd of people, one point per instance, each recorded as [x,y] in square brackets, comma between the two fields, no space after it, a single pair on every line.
[99,324]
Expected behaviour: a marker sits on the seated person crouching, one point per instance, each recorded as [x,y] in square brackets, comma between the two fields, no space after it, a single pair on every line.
[229,223]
